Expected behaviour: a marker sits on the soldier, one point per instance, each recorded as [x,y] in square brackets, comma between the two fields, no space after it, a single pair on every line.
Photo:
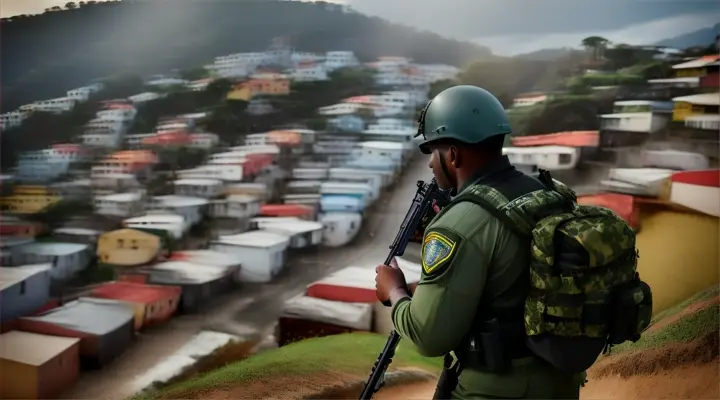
[469,303]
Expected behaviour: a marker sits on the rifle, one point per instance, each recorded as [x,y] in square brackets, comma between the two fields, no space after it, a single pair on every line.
[426,193]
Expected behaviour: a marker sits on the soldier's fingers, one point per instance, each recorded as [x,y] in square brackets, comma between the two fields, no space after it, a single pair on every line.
[394,264]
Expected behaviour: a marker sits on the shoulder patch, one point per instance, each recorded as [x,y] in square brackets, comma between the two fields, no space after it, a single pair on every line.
[438,250]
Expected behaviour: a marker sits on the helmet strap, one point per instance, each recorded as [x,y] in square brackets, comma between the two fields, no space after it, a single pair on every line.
[446,172]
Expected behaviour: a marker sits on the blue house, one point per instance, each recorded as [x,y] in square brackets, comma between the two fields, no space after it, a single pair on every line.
[23,290]
[347,123]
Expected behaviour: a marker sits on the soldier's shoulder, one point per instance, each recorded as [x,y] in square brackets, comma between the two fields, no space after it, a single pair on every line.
[463,218]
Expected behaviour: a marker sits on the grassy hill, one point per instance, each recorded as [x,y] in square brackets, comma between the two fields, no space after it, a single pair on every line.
[45,55]
[300,369]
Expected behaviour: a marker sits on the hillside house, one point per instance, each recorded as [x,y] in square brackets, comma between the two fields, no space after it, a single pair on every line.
[167,82]
[129,248]
[529,99]
[174,225]
[120,204]
[200,84]
[340,59]
[261,253]
[696,105]
[27,200]
[309,71]
[649,121]
[66,259]
[302,233]
[224,172]
[49,163]
[168,139]
[145,97]
[82,94]
[346,123]
[203,188]
[152,304]
[211,258]
[9,249]
[105,327]
[136,162]
[262,85]
[200,283]
[239,206]
[89,237]
[23,290]
[58,105]
[438,72]
[42,366]
[20,228]
[190,208]
[12,119]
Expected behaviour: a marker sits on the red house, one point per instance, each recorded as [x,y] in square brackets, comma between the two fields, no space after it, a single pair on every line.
[151,304]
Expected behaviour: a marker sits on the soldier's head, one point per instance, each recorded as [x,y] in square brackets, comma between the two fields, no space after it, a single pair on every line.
[463,128]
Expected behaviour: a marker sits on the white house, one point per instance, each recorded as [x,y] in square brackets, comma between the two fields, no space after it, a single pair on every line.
[342,109]
[199,85]
[261,253]
[66,258]
[302,233]
[165,82]
[546,157]
[235,206]
[120,204]
[12,119]
[58,105]
[529,100]
[83,93]
[646,122]
[438,72]
[391,70]
[340,59]
[340,227]
[174,224]
[205,188]
[309,72]
[189,207]
[224,172]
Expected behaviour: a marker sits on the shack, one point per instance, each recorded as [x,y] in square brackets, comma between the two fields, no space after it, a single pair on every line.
[37,366]
[66,258]
[23,290]
[302,233]
[261,253]
[105,327]
[152,304]
[128,247]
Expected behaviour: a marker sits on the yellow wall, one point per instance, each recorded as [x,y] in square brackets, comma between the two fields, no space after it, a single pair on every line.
[690,72]
[242,93]
[678,254]
[18,381]
[682,110]
[128,247]
[29,204]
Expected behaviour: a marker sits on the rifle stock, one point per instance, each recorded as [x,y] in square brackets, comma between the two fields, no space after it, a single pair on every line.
[426,193]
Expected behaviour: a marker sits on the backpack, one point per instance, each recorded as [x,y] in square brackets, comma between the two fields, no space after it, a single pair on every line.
[585,292]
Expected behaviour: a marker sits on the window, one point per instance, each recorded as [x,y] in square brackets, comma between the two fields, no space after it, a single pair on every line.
[23,288]
[121,243]
[565,159]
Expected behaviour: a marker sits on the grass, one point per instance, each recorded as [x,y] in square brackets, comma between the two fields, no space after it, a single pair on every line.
[352,353]
[686,329]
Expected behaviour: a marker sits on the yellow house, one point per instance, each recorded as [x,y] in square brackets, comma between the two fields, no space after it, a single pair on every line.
[128,247]
[268,84]
[30,199]
[697,104]
[695,68]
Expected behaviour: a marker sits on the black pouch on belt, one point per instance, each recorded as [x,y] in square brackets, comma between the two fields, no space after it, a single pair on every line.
[486,349]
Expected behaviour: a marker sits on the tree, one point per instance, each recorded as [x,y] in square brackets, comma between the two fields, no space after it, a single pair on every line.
[56,8]
[193,74]
[597,45]
[70,5]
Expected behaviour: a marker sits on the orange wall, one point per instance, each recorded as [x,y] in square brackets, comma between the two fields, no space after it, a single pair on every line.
[678,254]
[60,373]
[18,381]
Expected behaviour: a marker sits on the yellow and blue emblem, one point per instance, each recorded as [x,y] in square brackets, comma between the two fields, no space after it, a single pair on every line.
[437,250]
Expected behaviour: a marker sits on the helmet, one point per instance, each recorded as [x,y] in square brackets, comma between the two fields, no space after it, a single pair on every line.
[465,113]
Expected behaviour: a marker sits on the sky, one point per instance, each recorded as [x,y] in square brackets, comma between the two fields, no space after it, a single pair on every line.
[517,26]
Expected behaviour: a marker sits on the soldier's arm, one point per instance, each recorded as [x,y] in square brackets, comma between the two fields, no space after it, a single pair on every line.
[446,299]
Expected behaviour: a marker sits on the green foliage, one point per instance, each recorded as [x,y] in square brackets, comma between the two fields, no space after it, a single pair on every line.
[607,80]
[193,74]
[42,58]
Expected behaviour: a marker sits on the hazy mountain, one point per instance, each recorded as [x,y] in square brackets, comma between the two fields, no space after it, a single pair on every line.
[701,37]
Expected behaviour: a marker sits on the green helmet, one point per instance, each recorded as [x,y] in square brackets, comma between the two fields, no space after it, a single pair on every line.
[465,113]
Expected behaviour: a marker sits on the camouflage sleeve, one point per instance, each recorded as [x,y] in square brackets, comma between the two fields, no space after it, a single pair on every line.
[454,261]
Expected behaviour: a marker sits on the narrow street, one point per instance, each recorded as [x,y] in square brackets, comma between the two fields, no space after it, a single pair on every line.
[253,309]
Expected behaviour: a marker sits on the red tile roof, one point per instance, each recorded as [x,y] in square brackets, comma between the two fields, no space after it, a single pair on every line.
[285,210]
[133,292]
[569,139]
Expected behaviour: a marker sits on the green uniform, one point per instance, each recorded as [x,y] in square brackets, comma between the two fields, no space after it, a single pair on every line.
[474,264]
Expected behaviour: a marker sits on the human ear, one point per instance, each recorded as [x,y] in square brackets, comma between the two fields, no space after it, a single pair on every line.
[454,156]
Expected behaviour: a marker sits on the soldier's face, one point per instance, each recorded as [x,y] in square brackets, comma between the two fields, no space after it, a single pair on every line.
[435,164]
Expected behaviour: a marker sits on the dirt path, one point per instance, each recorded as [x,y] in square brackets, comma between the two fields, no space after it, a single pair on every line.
[411,391]
[253,309]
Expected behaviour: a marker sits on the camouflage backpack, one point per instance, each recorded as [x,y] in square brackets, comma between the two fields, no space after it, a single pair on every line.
[585,293]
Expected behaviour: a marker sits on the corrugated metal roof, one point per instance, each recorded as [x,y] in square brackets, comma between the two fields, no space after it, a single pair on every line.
[698,62]
[10,276]
[183,272]
[94,316]
[259,238]
[32,348]
[135,293]
[705,99]
[180,201]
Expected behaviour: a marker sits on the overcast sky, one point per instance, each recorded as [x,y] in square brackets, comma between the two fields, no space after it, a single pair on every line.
[517,26]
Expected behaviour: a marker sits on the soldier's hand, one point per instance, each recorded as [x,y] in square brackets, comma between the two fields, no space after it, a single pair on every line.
[387,279]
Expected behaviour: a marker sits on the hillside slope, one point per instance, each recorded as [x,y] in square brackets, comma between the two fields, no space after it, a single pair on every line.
[47,54]
[702,37]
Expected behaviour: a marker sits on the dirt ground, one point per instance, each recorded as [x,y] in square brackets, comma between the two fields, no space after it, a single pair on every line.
[253,309]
